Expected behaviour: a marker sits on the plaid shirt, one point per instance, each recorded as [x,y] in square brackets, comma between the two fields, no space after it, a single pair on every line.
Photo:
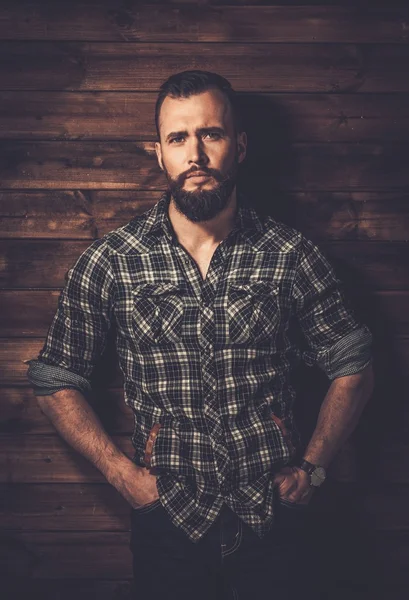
[207,363]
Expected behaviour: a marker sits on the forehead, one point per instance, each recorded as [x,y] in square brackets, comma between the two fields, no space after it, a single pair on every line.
[205,109]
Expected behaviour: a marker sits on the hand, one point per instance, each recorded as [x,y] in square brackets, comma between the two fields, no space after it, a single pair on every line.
[294,485]
[136,484]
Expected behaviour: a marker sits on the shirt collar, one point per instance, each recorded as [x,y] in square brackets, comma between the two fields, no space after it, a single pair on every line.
[248,223]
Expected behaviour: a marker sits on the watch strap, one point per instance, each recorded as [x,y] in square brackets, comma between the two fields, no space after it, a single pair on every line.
[306,466]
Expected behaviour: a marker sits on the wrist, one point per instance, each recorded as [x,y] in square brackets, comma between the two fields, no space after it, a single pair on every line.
[117,469]
[316,473]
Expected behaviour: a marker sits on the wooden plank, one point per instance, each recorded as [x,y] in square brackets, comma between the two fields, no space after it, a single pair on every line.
[14,355]
[374,265]
[29,313]
[201,23]
[359,215]
[58,165]
[133,166]
[257,67]
[52,555]
[322,215]
[69,214]
[369,265]
[18,587]
[63,507]
[23,269]
[386,506]
[13,366]
[20,412]
[48,459]
[33,311]
[129,116]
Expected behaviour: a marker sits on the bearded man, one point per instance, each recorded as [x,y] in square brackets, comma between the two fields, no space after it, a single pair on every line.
[214,306]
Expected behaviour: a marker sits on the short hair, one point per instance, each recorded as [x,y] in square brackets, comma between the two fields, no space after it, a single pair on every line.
[190,83]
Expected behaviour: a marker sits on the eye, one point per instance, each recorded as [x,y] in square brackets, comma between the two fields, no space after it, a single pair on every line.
[214,133]
[179,137]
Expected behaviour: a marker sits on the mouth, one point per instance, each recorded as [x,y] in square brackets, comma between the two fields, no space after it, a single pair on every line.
[199,174]
[199,177]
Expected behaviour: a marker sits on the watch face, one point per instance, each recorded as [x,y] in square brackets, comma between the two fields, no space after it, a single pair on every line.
[318,476]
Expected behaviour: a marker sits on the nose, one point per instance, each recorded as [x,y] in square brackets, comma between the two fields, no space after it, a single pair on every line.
[197,154]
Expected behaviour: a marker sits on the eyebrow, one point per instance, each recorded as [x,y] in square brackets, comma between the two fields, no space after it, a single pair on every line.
[200,131]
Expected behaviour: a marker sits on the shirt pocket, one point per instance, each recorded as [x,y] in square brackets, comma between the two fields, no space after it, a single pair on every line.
[158,312]
[253,312]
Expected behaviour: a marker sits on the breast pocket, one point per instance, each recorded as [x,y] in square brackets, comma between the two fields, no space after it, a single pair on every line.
[253,312]
[158,311]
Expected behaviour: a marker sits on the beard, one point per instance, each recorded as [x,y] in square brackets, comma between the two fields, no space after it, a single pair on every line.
[203,205]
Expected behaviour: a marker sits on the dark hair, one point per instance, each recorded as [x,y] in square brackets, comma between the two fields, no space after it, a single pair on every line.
[190,83]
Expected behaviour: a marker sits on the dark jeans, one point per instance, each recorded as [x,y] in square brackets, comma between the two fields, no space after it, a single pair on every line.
[229,562]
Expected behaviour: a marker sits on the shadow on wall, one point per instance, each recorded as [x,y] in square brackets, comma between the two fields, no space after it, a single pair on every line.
[270,159]
[343,532]
[266,176]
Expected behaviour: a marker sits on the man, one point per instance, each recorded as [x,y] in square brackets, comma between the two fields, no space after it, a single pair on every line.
[207,298]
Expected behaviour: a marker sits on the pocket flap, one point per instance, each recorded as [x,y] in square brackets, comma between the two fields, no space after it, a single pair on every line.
[255,288]
[158,289]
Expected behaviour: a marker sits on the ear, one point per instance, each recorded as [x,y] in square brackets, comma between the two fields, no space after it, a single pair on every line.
[158,151]
[242,145]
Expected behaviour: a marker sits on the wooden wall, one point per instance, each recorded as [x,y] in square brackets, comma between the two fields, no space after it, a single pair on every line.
[327,95]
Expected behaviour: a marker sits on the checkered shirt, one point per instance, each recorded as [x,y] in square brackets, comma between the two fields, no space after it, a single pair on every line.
[207,363]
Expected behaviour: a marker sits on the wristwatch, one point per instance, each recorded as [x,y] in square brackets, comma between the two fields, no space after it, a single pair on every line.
[316,472]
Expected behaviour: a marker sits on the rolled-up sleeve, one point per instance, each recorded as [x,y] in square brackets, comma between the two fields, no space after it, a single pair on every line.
[78,332]
[334,339]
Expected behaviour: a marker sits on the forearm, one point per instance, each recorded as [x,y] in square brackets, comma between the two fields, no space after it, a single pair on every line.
[77,423]
[339,415]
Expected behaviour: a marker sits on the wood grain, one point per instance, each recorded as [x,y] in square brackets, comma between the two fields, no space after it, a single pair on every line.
[53,555]
[75,66]
[133,166]
[70,214]
[201,23]
[115,116]
[130,116]
[20,586]
[63,507]
[47,458]
[20,412]
[374,265]
[15,354]
[66,214]
[59,165]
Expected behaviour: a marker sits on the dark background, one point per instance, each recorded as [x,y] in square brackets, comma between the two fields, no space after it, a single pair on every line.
[325,88]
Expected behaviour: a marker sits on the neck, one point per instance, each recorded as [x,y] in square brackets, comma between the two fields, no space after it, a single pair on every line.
[207,233]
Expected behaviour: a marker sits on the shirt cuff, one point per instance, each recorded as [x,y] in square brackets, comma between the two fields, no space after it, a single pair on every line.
[48,379]
[350,355]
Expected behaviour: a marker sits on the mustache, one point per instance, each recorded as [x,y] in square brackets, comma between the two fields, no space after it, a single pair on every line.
[212,172]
